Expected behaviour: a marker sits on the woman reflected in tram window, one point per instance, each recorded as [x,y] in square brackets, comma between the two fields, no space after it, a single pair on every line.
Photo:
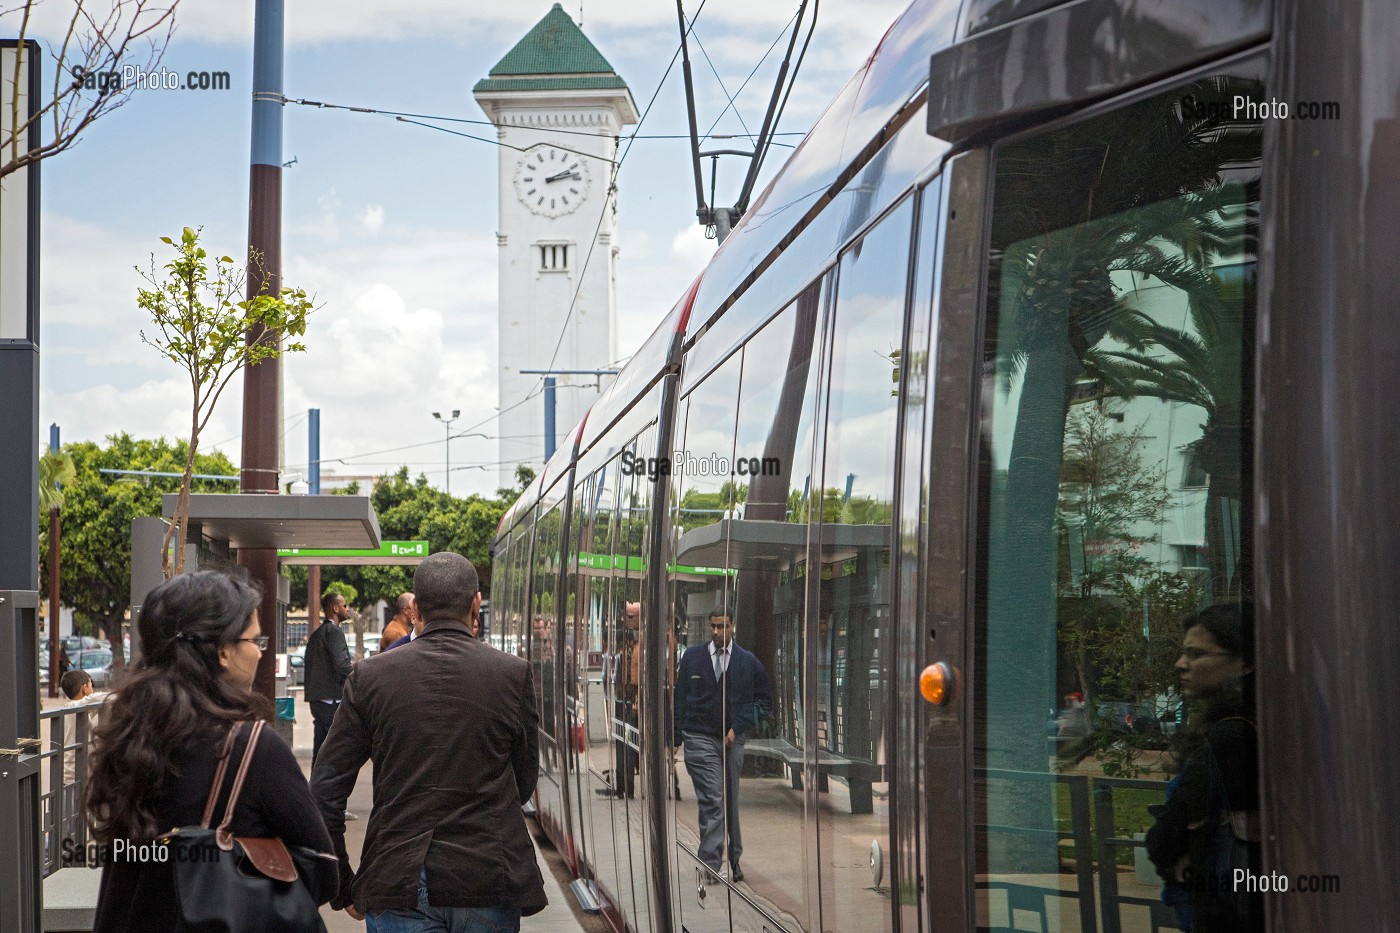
[1208,827]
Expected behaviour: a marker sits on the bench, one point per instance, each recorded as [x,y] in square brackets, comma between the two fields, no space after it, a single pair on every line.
[858,774]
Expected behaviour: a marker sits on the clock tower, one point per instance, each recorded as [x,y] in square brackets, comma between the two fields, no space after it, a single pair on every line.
[559,109]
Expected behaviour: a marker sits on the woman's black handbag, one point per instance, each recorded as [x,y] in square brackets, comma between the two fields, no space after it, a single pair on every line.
[230,884]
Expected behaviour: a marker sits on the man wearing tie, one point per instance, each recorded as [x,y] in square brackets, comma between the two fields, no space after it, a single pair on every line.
[722,694]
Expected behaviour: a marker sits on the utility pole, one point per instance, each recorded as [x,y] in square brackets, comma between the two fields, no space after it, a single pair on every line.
[313,479]
[262,402]
[54,577]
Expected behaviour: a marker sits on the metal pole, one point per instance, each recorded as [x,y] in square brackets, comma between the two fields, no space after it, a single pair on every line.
[313,450]
[548,417]
[447,443]
[262,401]
[313,573]
[54,577]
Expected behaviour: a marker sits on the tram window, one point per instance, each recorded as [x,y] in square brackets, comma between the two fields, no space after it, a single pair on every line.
[540,636]
[597,791]
[702,574]
[777,401]
[629,646]
[854,589]
[1122,260]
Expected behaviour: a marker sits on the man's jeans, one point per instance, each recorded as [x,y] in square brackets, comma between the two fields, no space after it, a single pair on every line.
[322,715]
[425,919]
[715,776]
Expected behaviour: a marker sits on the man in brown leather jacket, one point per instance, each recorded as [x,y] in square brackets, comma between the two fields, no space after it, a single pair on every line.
[451,724]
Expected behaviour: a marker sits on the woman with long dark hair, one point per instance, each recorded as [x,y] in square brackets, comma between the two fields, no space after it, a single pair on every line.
[1208,827]
[157,751]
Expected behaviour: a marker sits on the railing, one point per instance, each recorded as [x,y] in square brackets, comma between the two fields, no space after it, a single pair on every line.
[66,733]
[1096,846]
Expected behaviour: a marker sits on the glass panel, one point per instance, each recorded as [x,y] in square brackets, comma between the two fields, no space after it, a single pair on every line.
[777,400]
[699,578]
[573,676]
[627,589]
[910,630]
[852,622]
[596,564]
[1121,305]
[538,647]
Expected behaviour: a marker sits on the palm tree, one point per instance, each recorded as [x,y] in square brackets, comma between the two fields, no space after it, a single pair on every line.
[1204,367]
[1148,191]
[55,470]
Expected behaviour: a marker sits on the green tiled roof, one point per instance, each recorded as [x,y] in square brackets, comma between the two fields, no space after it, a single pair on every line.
[561,83]
[555,55]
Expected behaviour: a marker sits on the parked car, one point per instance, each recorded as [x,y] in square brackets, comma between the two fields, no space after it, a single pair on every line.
[98,664]
[75,643]
[371,643]
[296,666]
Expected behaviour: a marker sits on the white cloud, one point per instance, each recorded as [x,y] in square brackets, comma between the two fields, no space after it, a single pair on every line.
[372,220]
[692,248]
[319,21]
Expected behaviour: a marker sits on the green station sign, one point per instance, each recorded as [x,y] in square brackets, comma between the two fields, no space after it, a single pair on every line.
[388,552]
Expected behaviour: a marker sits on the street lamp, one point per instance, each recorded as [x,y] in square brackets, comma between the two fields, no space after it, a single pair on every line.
[447,441]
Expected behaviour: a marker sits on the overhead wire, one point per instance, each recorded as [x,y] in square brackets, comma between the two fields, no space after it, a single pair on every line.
[747,133]
[410,117]
[733,103]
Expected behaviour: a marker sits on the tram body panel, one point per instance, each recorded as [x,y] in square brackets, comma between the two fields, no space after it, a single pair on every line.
[998,336]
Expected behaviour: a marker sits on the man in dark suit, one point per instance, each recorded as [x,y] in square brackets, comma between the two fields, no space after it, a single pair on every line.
[722,694]
[451,724]
[327,664]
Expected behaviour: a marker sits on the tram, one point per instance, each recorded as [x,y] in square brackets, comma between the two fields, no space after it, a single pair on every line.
[1067,320]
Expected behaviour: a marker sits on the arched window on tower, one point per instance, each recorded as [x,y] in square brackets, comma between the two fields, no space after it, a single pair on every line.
[553,257]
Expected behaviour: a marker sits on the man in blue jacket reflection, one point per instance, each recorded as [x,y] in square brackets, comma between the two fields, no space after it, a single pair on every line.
[722,694]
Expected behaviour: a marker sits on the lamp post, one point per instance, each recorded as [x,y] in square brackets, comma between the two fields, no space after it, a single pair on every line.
[447,441]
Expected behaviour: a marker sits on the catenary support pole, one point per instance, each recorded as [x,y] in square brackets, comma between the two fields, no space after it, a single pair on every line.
[55,522]
[313,573]
[261,383]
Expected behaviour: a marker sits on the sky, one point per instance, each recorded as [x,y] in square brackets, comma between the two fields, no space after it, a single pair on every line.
[390,225]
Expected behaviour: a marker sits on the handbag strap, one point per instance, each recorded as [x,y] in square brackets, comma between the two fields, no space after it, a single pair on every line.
[223,830]
[219,772]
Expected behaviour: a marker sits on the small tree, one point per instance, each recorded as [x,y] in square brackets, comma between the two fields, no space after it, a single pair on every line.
[202,326]
[100,40]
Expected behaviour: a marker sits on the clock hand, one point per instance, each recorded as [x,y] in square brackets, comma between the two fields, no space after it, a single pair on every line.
[564,174]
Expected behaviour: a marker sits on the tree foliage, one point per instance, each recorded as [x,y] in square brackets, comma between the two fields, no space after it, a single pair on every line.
[56,470]
[412,510]
[203,327]
[95,548]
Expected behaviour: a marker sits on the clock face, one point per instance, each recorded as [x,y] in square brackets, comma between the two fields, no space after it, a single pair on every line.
[551,181]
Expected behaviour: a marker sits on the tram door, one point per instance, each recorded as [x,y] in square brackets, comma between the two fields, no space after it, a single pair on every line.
[1112,406]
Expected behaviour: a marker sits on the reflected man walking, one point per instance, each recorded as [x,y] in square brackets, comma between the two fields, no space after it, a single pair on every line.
[722,694]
